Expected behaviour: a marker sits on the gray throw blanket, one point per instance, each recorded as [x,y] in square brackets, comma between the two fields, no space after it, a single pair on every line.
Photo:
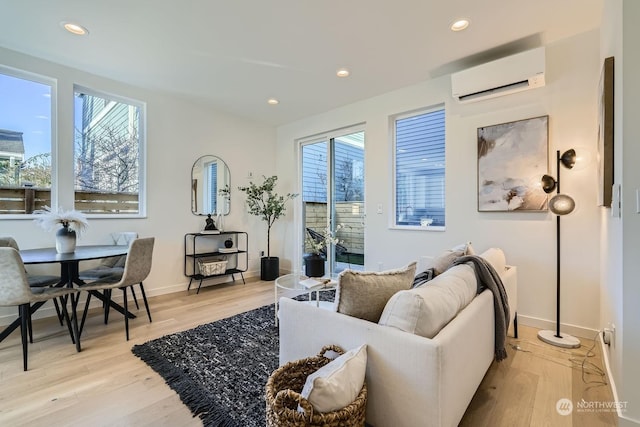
[488,278]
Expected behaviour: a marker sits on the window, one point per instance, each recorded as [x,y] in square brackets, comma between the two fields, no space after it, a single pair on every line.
[212,170]
[108,154]
[419,142]
[26,117]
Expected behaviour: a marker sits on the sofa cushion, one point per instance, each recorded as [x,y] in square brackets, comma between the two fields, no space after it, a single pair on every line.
[427,309]
[337,383]
[363,294]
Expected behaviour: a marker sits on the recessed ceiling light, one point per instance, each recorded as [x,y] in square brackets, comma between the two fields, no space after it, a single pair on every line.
[272,101]
[459,25]
[73,28]
[342,72]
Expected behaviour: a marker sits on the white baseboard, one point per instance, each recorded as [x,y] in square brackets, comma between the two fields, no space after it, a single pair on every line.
[623,421]
[578,331]
[48,310]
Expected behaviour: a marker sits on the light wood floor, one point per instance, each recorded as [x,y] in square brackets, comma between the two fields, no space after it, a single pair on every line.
[106,385]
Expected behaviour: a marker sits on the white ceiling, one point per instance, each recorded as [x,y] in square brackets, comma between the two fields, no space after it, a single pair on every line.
[235,54]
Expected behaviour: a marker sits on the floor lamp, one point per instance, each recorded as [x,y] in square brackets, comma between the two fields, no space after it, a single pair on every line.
[560,204]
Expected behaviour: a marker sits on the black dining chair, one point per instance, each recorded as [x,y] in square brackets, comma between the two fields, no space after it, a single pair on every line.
[15,291]
[35,281]
[136,269]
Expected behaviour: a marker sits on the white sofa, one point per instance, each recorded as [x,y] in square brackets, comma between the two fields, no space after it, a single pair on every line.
[412,381]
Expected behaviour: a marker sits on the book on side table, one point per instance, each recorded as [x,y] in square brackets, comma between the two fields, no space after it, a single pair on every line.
[312,283]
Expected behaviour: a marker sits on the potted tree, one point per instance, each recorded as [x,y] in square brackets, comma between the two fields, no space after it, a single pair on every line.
[265,203]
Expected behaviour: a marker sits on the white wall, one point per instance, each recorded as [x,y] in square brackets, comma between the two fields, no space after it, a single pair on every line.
[611,230]
[178,132]
[569,98]
[620,250]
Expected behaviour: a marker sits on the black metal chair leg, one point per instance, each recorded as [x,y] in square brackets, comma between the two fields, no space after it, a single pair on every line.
[30,327]
[135,298]
[107,305]
[515,325]
[75,331]
[84,313]
[63,303]
[55,303]
[24,324]
[126,313]
[146,303]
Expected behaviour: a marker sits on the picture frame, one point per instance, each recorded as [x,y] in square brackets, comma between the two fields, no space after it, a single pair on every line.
[512,158]
[605,133]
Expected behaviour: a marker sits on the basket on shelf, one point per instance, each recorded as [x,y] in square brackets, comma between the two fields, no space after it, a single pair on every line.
[283,397]
[212,267]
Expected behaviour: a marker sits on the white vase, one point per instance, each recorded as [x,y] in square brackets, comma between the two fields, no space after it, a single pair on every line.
[65,240]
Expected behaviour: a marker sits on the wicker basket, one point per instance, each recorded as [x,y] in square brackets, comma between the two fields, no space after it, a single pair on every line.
[283,397]
[212,267]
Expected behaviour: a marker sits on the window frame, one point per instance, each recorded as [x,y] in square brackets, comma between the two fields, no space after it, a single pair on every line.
[393,135]
[53,84]
[142,150]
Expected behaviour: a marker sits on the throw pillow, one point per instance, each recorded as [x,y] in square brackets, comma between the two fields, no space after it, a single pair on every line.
[496,258]
[363,294]
[466,248]
[423,278]
[337,383]
[446,258]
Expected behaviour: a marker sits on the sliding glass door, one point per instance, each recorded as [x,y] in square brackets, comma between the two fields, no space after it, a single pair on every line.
[333,197]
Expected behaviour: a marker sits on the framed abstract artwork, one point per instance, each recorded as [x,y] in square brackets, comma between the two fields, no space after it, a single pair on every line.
[605,134]
[512,157]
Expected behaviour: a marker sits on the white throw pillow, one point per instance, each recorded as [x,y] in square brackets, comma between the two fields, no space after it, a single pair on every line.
[337,383]
[496,258]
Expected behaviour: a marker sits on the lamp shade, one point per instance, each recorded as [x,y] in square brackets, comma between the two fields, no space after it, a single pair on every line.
[548,183]
[561,204]
[568,158]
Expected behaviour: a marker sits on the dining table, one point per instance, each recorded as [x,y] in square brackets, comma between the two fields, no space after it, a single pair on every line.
[69,276]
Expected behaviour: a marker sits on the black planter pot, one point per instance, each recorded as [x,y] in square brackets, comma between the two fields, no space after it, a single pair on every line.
[314,265]
[269,268]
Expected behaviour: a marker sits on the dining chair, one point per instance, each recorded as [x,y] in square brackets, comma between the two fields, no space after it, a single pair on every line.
[15,291]
[136,269]
[111,268]
[35,281]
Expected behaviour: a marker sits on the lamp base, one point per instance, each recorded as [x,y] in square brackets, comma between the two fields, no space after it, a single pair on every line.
[566,341]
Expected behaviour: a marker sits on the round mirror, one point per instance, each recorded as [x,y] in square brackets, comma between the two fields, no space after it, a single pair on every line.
[210,185]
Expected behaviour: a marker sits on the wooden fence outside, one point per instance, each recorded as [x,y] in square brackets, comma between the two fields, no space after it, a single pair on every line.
[349,214]
[25,200]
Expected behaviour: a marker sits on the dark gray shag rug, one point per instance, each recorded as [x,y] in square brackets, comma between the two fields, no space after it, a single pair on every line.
[220,369]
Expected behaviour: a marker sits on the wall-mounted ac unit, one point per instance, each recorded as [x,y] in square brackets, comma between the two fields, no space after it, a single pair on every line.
[512,74]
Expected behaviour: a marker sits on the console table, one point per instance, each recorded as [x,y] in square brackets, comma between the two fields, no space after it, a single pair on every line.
[210,246]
